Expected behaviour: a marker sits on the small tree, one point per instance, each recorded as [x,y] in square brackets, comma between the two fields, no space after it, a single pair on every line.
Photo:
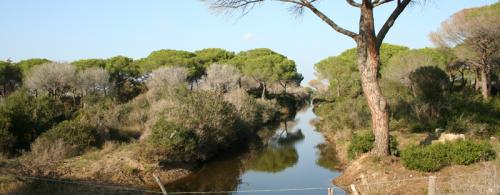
[124,73]
[94,80]
[167,76]
[221,78]
[428,84]
[54,78]
[10,78]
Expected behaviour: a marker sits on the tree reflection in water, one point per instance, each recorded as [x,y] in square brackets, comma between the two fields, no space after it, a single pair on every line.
[273,159]
[327,159]
[218,175]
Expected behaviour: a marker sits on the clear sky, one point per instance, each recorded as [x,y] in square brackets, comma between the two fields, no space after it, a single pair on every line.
[66,30]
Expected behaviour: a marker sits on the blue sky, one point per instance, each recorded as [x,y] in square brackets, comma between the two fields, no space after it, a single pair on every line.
[65,30]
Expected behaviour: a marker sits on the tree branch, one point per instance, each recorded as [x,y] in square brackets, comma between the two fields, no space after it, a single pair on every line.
[380,2]
[245,4]
[390,21]
[330,22]
[353,3]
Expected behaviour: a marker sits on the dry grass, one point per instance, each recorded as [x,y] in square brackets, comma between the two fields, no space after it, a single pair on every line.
[481,181]
[46,153]
[373,175]
[9,184]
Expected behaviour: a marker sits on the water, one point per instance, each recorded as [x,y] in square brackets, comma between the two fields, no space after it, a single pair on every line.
[292,156]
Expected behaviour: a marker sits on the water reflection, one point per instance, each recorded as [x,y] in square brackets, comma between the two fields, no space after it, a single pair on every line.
[291,156]
[273,160]
[219,175]
[327,158]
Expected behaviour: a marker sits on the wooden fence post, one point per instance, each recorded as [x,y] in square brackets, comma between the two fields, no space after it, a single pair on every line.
[330,191]
[158,181]
[354,191]
[431,188]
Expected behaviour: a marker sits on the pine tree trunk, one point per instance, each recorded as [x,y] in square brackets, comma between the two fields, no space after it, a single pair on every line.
[368,64]
[485,83]
[263,91]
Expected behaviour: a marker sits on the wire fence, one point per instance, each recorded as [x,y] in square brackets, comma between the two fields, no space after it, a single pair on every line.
[482,182]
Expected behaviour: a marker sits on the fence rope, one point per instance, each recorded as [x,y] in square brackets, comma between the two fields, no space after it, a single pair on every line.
[234,191]
[84,183]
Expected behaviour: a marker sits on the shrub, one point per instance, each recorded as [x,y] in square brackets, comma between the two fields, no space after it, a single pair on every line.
[7,141]
[46,152]
[246,106]
[344,113]
[435,156]
[25,117]
[428,83]
[467,152]
[363,142]
[213,121]
[172,140]
[267,110]
[78,135]
[430,158]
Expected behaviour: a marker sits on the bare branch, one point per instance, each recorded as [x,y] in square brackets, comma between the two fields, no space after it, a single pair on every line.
[390,21]
[328,20]
[247,5]
[380,2]
[353,3]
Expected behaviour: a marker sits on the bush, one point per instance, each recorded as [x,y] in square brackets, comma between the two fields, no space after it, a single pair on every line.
[46,152]
[344,113]
[363,142]
[172,140]
[428,83]
[213,122]
[434,157]
[7,141]
[267,110]
[78,135]
[246,106]
[25,117]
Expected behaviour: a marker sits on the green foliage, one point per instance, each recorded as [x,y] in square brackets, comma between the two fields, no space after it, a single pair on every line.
[27,65]
[25,116]
[429,83]
[435,156]
[7,140]
[360,143]
[80,136]
[344,113]
[472,115]
[266,65]
[124,73]
[11,77]
[174,141]
[430,158]
[89,63]
[209,56]
[171,58]
[253,113]
[201,115]
[363,143]
[401,65]
[342,71]
[273,160]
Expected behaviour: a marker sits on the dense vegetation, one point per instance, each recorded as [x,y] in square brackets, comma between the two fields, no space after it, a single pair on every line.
[179,106]
[436,156]
[454,87]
